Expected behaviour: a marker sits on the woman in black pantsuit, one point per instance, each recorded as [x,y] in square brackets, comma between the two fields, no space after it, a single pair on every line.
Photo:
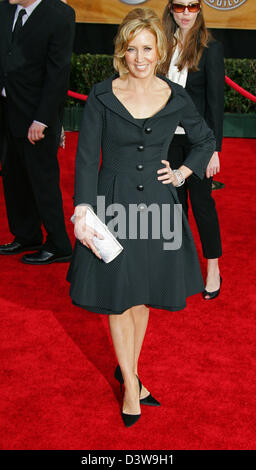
[132,117]
[196,62]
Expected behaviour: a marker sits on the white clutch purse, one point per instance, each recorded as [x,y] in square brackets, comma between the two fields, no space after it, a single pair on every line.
[109,248]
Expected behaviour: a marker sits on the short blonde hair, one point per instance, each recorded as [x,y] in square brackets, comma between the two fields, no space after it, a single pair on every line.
[137,20]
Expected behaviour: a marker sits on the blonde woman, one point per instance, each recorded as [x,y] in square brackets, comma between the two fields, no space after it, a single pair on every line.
[131,117]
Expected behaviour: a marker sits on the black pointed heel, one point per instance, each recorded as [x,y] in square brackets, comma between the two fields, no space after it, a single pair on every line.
[149,400]
[212,295]
[128,419]
[118,376]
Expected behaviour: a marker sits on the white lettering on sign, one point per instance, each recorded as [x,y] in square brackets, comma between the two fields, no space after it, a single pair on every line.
[224,4]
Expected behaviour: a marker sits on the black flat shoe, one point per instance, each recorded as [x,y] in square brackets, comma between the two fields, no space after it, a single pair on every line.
[149,400]
[128,419]
[15,248]
[212,295]
[42,257]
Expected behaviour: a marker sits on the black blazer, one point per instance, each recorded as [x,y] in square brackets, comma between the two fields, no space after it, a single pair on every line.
[35,69]
[206,88]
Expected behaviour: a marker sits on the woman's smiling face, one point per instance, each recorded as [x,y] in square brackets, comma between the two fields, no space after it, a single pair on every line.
[142,55]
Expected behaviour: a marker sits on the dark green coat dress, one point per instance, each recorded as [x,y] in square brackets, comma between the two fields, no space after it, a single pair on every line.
[132,150]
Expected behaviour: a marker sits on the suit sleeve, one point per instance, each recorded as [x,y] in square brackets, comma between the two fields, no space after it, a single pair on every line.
[215,82]
[57,69]
[88,152]
[201,138]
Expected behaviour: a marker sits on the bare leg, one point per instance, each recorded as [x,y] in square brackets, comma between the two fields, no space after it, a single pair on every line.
[122,329]
[213,275]
[140,316]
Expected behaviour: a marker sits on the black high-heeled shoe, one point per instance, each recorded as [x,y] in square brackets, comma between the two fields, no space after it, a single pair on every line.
[212,295]
[149,400]
[128,419]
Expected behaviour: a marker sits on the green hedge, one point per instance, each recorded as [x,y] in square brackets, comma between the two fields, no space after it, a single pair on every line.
[87,69]
[243,72]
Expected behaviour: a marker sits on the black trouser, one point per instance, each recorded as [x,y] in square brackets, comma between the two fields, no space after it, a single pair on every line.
[202,202]
[32,192]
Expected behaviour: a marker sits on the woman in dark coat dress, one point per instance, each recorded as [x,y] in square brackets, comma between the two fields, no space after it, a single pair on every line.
[132,117]
[196,62]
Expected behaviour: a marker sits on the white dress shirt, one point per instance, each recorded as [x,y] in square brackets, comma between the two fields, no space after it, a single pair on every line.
[177,76]
[28,10]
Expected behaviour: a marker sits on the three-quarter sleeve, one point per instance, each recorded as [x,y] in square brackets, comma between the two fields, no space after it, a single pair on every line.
[215,82]
[201,138]
[88,152]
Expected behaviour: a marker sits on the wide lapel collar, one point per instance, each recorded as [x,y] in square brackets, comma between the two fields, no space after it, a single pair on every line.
[107,97]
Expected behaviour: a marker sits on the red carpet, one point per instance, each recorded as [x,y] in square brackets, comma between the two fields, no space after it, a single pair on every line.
[58,390]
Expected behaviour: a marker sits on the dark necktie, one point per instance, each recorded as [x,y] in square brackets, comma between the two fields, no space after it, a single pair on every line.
[18,25]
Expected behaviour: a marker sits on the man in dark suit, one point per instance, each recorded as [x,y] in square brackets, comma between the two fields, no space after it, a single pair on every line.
[36,39]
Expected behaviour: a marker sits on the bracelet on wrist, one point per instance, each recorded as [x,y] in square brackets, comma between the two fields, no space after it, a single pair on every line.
[179,177]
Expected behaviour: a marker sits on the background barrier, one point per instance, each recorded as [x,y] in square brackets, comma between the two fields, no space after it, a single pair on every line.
[230,82]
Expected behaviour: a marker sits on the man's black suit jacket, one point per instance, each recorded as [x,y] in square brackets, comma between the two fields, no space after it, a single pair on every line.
[206,88]
[35,69]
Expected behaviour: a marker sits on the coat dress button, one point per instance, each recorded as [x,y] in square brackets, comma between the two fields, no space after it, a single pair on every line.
[140,167]
[140,187]
[148,130]
[140,148]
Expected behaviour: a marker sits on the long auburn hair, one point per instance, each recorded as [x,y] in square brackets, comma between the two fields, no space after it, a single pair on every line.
[196,40]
